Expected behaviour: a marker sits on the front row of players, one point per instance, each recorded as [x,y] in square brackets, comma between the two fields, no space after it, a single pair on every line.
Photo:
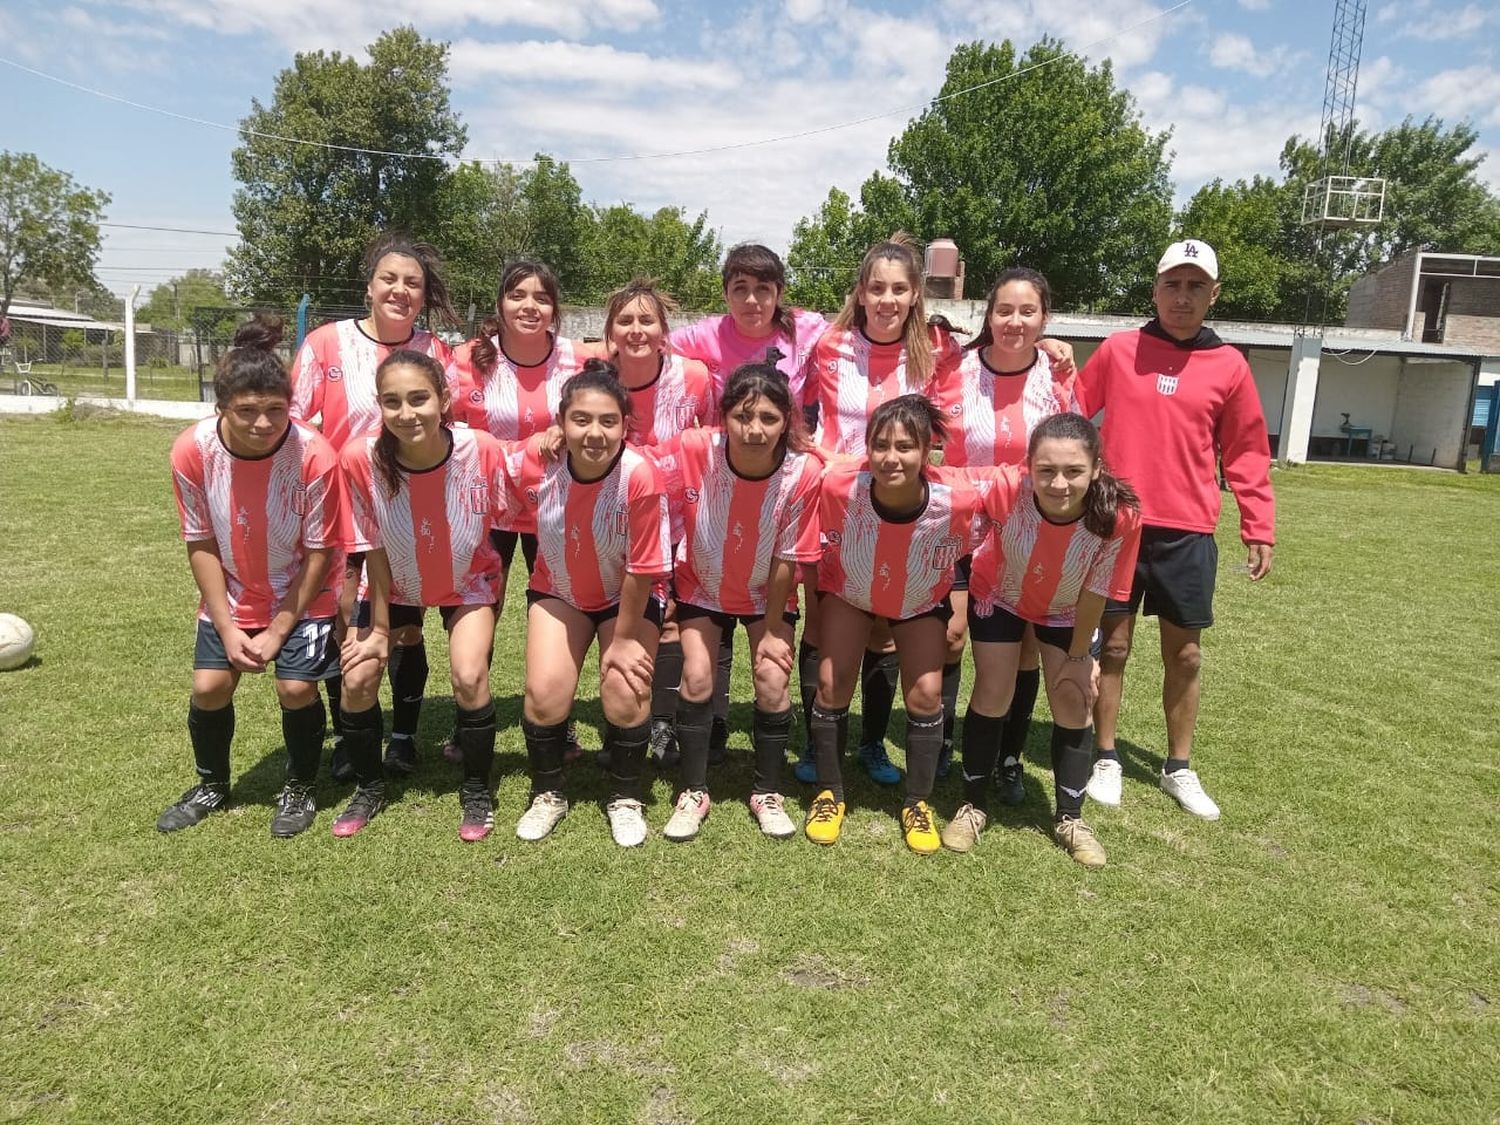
[730,514]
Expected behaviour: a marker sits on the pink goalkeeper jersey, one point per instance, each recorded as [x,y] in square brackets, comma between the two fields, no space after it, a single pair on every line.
[264,514]
[435,530]
[850,375]
[681,397]
[512,402]
[334,376]
[899,569]
[728,528]
[1037,569]
[590,534]
[721,347]
[989,415]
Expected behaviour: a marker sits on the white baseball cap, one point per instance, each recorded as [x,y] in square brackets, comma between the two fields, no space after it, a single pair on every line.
[1190,252]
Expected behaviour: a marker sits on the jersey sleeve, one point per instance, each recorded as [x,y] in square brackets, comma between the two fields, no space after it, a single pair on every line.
[188,486]
[649,540]
[798,538]
[690,341]
[1246,451]
[307,381]
[1089,384]
[322,522]
[363,530]
[1113,572]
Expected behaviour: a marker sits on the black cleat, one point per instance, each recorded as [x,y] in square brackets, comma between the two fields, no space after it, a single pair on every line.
[193,806]
[662,749]
[295,810]
[401,755]
[1010,781]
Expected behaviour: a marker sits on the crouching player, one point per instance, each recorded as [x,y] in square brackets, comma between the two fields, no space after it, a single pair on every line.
[259,499]
[1068,544]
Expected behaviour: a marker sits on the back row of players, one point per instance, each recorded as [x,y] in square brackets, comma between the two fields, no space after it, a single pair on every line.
[687,456]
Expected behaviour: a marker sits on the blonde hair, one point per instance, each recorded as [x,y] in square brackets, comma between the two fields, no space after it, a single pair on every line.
[902,249]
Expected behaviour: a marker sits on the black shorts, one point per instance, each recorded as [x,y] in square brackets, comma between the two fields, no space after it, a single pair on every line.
[727,621]
[943,611]
[656,609]
[404,615]
[505,543]
[961,571]
[1174,574]
[1002,627]
[310,653]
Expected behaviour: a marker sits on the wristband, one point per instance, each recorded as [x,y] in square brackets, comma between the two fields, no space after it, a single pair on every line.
[1078,659]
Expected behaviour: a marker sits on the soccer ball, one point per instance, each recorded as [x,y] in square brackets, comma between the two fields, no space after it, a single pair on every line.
[16,642]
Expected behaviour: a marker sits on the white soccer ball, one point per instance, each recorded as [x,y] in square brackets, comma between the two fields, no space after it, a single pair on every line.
[16,642]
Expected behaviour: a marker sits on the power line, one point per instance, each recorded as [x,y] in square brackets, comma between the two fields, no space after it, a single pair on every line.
[172,230]
[354,149]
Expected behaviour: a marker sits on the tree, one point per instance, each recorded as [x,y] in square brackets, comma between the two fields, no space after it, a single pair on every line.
[1251,226]
[49,228]
[173,303]
[305,213]
[682,257]
[1039,161]
[824,255]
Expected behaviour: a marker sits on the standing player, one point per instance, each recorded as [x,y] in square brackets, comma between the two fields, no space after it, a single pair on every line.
[747,495]
[423,498]
[603,547]
[333,379]
[259,499]
[1004,387]
[894,528]
[1174,397]
[1069,543]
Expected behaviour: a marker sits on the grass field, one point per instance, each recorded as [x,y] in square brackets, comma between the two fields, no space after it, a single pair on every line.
[175,383]
[1326,952]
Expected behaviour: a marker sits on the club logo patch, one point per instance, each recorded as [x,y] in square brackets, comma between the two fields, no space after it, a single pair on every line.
[335,374]
[479,498]
[532,497]
[690,495]
[1166,384]
[944,553]
[476,396]
[620,522]
[301,501]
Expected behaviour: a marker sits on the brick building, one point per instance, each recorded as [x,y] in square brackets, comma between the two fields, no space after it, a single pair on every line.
[1451,299]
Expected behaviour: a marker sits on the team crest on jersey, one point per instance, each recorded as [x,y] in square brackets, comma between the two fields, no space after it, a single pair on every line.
[301,500]
[956,409]
[833,538]
[476,396]
[683,414]
[479,498]
[944,554]
[335,374]
[691,495]
[532,497]
[1166,384]
[620,521]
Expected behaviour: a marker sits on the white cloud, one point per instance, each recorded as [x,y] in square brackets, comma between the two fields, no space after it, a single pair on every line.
[1232,51]
[78,21]
[805,11]
[1096,25]
[558,62]
[1471,91]
[1255,5]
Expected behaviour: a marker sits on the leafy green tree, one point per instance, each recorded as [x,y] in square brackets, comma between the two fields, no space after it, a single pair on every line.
[172,303]
[1251,226]
[681,256]
[824,255]
[305,213]
[49,228]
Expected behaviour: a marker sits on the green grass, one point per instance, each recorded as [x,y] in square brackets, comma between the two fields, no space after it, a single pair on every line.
[1326,952]
[173,383]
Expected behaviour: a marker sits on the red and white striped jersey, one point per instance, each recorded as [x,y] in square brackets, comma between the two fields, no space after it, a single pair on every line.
[264,514]
[334,376]
[512,402]
[1038,569]
[898,569]
[435,530]
[728,528]
[680,398]
[590,534]
[850,375]
[989,415]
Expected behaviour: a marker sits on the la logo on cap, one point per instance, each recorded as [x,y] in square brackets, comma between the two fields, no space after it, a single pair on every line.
[1190,252]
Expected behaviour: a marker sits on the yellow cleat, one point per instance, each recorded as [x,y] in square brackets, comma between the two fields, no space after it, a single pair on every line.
[825,818]
[1078,840]
[921,834]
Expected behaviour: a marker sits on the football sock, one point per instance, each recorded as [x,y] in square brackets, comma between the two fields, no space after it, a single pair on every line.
[770,734]
[807,684]
[1174,764]
[953,675]
[924,738]
[627,753]
[211,732]
[723,674]
[1018,722]
[476,737]
[408,675]
[362,730]
[981,748]
[303,730]
[830,731]
[1072,763]
[1109,754]
[544,754]
[694,717]
[665,681]
[878,677]
[334,686]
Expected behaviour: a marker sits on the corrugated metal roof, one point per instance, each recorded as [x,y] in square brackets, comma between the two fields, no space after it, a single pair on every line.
[22,313]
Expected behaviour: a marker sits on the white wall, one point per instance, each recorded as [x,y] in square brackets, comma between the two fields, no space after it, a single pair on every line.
[1268,365]
[1430,411]
[1367,393]
[163,408]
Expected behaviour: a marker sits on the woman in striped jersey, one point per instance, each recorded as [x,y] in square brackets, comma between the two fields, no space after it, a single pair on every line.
[744,499]
[603,549]
[1004,387]
[1069,543]
[423,498]
[333,379]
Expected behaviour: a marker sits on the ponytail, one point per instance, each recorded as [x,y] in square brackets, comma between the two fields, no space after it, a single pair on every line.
[1107,493]
[383,459]
[251,365]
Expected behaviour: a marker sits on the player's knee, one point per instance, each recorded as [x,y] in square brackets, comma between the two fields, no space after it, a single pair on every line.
[1186,660]
[1115,652]
[471,685]
[296,694]
[697,681]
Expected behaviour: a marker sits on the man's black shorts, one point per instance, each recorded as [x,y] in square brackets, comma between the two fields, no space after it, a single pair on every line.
[1174,574]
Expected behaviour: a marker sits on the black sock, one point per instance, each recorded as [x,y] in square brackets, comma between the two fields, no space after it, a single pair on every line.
[830,731]
[953,675]
[924,738]
[771,733]
[627,753]
[211,733]
[1109,755]
[1175,764]
[723,674]
[1072,763]
[408,674]
[362,730]
[476,737]
[334,686]
[807,687]
[694,718]
[544,754]
[303,730]
[665,680]
[878,675]
[981,748]
[1018,721]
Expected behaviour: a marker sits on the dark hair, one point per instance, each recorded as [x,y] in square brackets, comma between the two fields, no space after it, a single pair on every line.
[638,288]
[902,249]
[916,413]
[761,263]
[387,443]
[251,365]
[760,380]
[482,350]
[595,375]
[434,289]
[984,337]
[1107,492]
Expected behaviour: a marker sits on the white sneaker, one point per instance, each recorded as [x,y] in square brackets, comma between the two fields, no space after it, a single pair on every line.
[688,817]
[627,822]
[1104,782]
[538,821]
[769,810]
[1185,788]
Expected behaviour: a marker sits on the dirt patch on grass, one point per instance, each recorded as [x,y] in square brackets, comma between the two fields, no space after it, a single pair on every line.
[1273,847]
[639,1061]
[789,1071]
[662,1109]
[504,1106]
[737,948]
[542,1021]
[813,971]
[1058,1010]
[1362,996]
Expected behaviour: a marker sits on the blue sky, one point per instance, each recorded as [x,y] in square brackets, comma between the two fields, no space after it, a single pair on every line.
[595,80]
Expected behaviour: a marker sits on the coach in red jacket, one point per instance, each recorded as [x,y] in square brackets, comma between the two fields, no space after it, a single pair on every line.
[1176,399]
